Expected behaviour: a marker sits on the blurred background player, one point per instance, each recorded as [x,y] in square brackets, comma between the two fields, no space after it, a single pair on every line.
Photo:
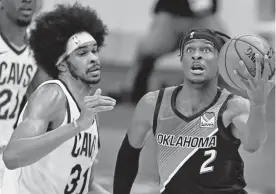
[17,67]
[198,127]
[53,148]
[171,19]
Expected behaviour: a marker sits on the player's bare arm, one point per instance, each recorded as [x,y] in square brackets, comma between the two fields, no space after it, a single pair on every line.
[30,142]
[142,120]
[129,153]
[249,116]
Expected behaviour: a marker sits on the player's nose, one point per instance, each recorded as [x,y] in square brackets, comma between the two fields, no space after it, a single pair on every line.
[93,58]
[197,55]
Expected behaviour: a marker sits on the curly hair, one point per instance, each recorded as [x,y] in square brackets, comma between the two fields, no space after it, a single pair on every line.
[52,30]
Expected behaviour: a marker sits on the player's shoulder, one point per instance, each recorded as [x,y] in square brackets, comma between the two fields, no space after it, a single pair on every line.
[149,99]
[49,94]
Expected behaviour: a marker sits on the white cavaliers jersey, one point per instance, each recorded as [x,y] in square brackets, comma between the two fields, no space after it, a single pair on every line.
[17,69]
[66,170]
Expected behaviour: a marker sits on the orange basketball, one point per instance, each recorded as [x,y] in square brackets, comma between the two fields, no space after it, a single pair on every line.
[244,47]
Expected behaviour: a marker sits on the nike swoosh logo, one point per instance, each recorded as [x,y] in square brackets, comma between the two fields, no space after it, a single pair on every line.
[3,52]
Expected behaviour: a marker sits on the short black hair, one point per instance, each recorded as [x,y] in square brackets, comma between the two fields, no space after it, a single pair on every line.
[52,30]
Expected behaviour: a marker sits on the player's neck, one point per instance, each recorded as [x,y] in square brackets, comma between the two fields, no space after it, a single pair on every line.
[13,32]
[198,95]
[77,88]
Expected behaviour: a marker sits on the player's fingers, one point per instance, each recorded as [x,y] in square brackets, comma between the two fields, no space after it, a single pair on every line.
[258,67]
[92,98]
[245,81]
[265,75]
[97,93]
[103,108]
[245,70]
[99,102]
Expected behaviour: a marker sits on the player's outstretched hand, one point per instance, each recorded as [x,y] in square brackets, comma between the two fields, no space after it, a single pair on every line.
[257,87]
[93,104]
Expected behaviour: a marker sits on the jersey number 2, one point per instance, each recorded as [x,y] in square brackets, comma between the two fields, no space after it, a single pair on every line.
[76,172]
[204,167]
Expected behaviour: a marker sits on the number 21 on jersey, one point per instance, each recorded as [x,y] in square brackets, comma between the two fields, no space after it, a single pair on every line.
[8,105]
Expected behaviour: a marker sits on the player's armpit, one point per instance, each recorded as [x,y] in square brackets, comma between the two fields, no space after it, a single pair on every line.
[248,123]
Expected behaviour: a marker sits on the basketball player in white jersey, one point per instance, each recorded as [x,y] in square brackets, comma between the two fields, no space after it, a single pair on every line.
[17,67]
[53,148]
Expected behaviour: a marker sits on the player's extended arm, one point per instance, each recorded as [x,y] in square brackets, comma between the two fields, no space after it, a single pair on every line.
[128,156]
[95,188]
[30,142]
[248,121]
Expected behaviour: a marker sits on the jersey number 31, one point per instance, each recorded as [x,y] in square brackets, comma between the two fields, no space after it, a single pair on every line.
[78,179]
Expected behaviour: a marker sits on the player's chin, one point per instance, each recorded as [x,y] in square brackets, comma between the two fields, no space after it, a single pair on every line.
[197,79]
[23,21]
[94,80]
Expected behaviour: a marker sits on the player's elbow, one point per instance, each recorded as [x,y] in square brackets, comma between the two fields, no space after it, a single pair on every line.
[253,146]
[10,159]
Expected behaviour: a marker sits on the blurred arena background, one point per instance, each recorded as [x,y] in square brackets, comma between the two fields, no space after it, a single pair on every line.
[127,20]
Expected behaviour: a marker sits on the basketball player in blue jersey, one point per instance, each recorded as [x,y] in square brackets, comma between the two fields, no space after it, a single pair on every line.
[17,67]
[56,142]
[198,127]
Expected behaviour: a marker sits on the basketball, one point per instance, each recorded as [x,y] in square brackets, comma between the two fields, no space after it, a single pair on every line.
[244,47]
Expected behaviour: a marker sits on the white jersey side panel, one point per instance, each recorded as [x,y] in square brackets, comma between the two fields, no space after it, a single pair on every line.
[65,170]
[17,69]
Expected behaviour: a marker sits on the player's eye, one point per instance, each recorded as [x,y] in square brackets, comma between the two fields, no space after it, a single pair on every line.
[206,50]
[95,50]
[189,50]
[82,53]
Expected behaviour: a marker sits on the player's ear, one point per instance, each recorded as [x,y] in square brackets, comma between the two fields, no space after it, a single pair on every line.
[62,66]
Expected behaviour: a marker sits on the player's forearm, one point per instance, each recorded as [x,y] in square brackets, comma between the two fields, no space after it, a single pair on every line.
[126,168]
[25,151]
[255,133]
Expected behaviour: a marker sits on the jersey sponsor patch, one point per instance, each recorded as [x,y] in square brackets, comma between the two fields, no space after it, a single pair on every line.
[208,120]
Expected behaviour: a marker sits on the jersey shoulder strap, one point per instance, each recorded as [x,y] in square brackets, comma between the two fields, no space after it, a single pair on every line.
[157,108]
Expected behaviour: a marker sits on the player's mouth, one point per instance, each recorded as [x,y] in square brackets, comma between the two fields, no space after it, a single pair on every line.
[26,11]
[197,69]
[95,71]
